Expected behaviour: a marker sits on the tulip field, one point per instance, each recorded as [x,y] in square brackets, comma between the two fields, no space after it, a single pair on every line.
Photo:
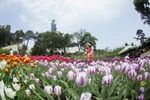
[60,78]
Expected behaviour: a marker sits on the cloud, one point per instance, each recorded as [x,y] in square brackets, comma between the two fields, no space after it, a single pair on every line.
[37,14]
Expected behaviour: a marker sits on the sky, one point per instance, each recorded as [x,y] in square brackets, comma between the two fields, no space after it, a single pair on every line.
[112,22]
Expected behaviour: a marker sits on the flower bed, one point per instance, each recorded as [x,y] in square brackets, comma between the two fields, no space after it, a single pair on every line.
[59,78]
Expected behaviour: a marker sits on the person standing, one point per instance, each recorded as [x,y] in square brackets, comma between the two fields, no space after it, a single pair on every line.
[89,51]
[11,52]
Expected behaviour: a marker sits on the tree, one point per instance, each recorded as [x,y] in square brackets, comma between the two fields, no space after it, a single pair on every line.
[6,37]
[66,41]
[142,7]
[88,38]
[126,44]
[78,38]
[28,36]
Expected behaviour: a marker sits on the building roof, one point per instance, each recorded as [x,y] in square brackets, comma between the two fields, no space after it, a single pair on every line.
[127,48]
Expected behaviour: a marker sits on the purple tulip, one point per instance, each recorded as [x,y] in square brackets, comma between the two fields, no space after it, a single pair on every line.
[86,96]
[124,68]
[141,90]
[132,74]
[50,71]
[81,79]
[32,87]
[139,78]
[91,70]
[145,75]
[48,89]
[37,80]
[57,90]
[70,75]
[141,97]
[59,74]
[32,76]
[54,78]
[28,93]
[107,79]
[107,71]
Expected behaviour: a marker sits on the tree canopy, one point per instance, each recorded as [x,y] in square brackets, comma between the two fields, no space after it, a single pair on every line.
[142,7]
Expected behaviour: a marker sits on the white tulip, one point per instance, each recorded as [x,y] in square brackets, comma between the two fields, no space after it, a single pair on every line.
[16,86]
[15,80]
[2,90]
[10,93]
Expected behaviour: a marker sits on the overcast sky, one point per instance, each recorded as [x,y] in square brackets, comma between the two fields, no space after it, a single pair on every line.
[112,22]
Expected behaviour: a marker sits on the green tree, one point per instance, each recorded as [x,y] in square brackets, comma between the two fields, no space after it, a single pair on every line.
[6,37]
[77,37]
[88,38]
[142,7]
[29,35]
[66,41]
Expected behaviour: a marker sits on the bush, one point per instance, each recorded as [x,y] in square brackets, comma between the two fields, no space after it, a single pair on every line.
[6,51]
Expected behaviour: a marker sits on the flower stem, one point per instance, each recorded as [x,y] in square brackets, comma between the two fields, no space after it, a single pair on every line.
[38,95]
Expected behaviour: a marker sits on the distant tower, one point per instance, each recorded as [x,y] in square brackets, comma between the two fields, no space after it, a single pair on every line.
[53,26]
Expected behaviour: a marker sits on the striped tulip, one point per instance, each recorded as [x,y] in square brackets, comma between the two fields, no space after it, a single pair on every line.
[81,79]
[57,90]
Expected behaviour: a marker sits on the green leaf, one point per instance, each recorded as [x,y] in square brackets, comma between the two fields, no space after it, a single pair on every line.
[104,92]
[111,88]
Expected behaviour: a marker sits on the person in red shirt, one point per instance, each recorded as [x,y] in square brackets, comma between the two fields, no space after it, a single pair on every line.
[89,51]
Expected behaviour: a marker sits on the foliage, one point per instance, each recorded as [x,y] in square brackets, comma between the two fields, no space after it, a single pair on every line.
[82,37]
[6,37]
[5,51]
[142,7]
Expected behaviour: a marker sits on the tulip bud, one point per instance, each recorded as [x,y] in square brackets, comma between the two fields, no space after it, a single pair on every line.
[59,74]
[132,74]
[70,75]
[145,75]
[48,89]
[86,96]
[28,93]
[37,80]
[32,76]
[81,79]
[107,79]
[57,90]
[141,90]
[141,97]
[32,87]
[139,78]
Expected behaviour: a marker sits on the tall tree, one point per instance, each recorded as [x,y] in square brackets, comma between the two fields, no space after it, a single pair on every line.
[142,7]
[88,38]
[19,38]
[5,35]
[78,38]
[28,36]
[66,41]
